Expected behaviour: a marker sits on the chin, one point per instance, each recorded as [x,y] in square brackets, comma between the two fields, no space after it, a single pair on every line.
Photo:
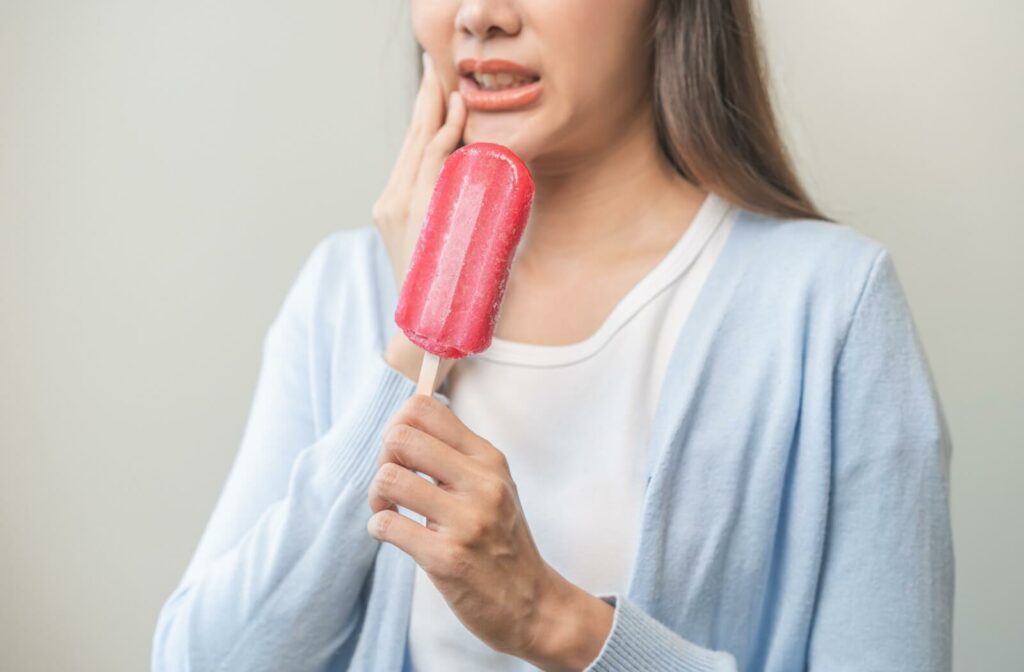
[503,129]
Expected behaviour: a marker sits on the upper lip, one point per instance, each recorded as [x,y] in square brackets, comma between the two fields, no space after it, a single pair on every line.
[470,66]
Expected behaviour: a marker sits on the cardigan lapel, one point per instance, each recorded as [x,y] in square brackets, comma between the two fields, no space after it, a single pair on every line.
[686,366]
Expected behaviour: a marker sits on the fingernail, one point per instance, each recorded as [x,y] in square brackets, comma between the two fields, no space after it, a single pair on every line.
[453,98]
[426,61]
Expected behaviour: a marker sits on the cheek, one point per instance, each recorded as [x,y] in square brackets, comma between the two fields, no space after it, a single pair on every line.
[433,24]
[430,16]
[593,53]
[428,21]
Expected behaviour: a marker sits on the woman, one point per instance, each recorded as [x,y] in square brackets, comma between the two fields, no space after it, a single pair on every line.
[705,436]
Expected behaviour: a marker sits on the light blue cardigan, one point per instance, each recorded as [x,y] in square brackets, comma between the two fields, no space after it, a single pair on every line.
[796,514]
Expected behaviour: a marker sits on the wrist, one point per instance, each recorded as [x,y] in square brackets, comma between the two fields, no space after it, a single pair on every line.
[406,357]
[572,627]
[403,356]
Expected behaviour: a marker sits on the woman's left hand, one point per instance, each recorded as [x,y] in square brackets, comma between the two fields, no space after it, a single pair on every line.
[476,546]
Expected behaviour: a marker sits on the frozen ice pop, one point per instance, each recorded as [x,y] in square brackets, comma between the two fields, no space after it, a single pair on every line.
[456,280]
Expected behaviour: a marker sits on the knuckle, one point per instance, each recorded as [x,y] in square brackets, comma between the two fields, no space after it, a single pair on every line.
[500,460]
[420,406]
[496,492]
[387,476]
[438,148]
[490,490]
[398,435]
[438,142]
[381,523]
[418,129]
[454,560]
[476,528]
[450,126]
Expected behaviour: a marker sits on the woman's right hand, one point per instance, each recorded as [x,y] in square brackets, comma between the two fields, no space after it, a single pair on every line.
[434,132]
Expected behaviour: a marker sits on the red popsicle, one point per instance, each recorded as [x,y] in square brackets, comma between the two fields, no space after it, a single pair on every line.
[456,280]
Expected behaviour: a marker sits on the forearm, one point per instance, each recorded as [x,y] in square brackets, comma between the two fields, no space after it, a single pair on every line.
[241,613]
[302,562]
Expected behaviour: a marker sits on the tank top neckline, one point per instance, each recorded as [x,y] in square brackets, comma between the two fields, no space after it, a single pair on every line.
[671,267]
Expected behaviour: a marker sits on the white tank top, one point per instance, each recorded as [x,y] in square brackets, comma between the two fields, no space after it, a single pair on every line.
[573,421]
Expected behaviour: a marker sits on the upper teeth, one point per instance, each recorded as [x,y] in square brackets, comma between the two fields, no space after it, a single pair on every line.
[499,80]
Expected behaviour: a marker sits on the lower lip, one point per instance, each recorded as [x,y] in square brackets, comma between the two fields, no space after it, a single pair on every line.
[495,101]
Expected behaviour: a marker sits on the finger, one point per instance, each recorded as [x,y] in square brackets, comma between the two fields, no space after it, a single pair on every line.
[444,142]
[408,535]
[413,448]
[431,112]
[420,127]
[397,485]
[426,117]
[447,138]
[434,418]
[406,167]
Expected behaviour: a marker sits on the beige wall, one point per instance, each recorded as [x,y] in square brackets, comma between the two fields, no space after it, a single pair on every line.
[166,166]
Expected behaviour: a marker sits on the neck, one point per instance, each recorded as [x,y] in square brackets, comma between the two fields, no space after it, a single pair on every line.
[623,196]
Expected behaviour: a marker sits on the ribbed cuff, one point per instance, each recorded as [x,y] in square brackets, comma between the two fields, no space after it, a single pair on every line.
[355,461]
[639,642]
[360,433]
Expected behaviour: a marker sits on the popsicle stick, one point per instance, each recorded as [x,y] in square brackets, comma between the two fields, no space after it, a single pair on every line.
[428,374]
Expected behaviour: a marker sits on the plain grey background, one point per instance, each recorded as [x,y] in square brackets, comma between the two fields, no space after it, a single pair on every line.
[165,168]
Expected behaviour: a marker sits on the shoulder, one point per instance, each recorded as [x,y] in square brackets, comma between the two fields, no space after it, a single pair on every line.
[346,261]
[342,282]
[817,271]
[812,250]
[345,253]
[832,295]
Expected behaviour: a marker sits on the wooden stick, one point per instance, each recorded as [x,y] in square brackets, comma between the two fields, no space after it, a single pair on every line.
[428,374]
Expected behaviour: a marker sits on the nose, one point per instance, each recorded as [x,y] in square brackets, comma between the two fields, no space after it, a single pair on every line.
[485,19]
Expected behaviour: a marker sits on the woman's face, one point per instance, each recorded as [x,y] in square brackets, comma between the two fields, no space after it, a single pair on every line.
[586,68]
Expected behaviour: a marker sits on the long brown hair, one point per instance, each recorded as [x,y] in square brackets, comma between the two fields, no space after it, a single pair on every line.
[712,108]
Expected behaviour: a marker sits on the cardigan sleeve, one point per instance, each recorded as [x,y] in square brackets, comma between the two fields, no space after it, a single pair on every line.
[638,642]
[885,595]
[276,580]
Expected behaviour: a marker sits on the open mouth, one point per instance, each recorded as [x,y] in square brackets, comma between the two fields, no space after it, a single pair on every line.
[499,81]
[496,85]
